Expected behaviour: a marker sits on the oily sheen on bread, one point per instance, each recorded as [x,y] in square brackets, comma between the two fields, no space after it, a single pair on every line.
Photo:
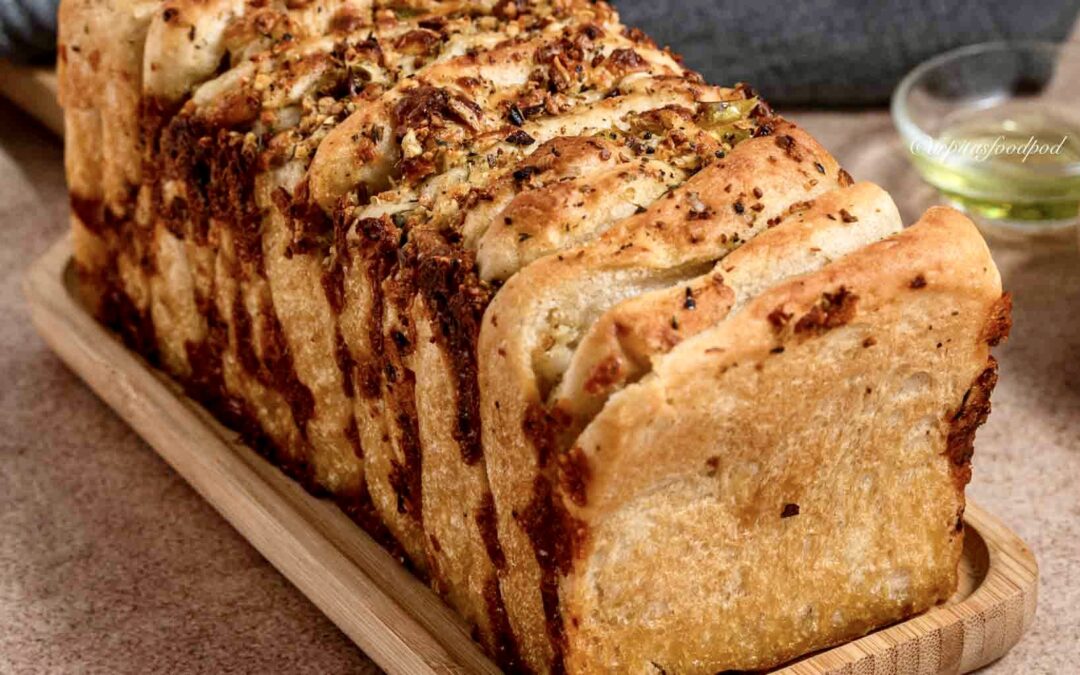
[622,363]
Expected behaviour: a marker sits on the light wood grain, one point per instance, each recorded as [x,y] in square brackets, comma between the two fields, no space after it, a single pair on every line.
[33,88]
[400,623]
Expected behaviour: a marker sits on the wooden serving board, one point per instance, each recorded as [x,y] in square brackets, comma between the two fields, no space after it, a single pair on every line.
[398,621]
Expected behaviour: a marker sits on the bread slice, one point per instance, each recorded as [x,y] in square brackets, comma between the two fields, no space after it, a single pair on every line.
[719,496]
[99,67]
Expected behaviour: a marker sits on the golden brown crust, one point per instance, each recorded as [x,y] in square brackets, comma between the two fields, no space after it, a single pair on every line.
[188,39]
[468,98]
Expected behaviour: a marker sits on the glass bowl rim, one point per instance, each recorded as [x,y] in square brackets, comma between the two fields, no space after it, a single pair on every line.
[912,133]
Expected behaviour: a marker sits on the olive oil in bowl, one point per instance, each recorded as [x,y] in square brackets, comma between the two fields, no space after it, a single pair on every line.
[1014,170]
[996,129]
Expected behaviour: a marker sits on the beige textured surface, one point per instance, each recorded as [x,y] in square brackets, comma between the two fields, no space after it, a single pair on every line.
[110,563]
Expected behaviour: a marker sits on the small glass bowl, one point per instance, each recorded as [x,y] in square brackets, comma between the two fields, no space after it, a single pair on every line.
[995,127]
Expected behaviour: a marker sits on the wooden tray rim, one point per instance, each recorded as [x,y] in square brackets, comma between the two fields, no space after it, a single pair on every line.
[400,623]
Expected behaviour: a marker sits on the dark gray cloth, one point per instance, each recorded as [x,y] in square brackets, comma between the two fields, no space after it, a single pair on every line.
[28,29]
[834,52]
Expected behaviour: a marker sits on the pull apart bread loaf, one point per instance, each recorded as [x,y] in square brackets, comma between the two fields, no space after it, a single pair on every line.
[623,363]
